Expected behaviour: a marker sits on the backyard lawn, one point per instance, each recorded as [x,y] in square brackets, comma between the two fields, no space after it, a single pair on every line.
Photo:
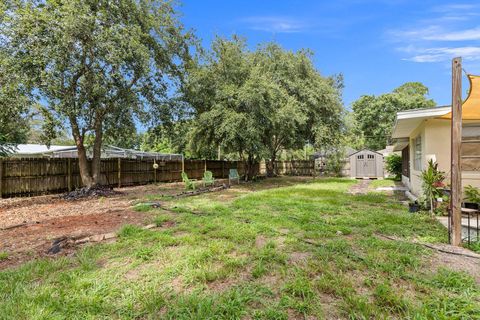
[309,250]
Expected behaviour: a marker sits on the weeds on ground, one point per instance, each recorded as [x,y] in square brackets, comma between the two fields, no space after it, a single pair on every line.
[307,250]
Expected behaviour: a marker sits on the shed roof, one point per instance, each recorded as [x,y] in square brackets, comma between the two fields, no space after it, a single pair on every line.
[365,149]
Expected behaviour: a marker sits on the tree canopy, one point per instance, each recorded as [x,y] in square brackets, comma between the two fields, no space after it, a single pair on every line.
[375,115]
[257,103]
[97,65]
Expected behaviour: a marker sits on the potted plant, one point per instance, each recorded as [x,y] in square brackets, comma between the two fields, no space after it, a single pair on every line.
[413,206]
[432,183]
[472,197]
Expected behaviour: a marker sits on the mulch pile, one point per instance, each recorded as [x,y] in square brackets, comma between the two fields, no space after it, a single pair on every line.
[85,192]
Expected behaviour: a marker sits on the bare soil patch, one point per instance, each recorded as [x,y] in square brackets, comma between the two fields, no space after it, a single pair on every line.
[32,241]
[457,263]
[361,187]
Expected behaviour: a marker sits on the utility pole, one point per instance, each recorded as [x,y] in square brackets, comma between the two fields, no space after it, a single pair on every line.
[456,168]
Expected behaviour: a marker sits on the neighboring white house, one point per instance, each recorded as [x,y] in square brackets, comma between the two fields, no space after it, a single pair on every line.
[54,151]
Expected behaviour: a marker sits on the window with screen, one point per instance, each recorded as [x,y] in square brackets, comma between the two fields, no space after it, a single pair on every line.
[417,153]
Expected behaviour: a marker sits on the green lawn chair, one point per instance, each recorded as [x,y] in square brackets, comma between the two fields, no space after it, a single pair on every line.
[208,179]
[189,183]
[233,175]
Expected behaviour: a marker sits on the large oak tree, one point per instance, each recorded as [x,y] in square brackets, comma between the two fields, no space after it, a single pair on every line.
[95,64]
[257,103]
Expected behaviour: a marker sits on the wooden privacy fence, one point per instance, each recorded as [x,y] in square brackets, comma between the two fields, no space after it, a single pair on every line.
[291,168]
[36,176]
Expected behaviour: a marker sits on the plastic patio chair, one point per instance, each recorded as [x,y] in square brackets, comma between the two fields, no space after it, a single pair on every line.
[189,183]
[208,178]
[233,175]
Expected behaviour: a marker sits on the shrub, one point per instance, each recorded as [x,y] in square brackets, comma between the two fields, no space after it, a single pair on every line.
[472,194]
[432,183]
[393,164]
[335,161]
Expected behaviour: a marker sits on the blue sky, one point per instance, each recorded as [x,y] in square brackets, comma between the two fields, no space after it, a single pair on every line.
[377,45]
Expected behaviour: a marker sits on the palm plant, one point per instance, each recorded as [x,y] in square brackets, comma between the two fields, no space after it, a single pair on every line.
[432,183]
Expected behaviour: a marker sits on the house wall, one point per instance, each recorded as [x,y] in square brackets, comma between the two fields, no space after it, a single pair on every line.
[436,141]
[415,175]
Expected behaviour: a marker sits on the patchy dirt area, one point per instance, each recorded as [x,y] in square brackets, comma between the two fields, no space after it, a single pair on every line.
[361,187]
[30,241]
[37,209]
[458,263]
[28,226]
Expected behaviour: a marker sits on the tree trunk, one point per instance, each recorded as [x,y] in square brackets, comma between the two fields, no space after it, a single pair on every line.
[271,166]
[85,175]
[97,153]
[250,167]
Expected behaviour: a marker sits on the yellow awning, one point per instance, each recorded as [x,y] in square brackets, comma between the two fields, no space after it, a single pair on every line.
[471,106]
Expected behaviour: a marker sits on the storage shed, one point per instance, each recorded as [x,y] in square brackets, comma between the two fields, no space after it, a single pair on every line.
[366,164]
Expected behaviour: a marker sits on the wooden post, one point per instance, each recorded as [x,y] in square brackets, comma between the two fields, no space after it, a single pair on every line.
[183,164]
[456,168]
[119,172]
[69,172]
[154,171]
[1,178]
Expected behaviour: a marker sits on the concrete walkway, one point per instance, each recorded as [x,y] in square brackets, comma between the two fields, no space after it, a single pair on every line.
[361,187]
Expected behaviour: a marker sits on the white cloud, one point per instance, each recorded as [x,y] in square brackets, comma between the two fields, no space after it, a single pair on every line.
[436,33]
[275,24]
[440,54]
[462,35]
[445,32]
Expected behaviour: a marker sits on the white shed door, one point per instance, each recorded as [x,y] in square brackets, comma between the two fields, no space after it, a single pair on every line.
[365,164]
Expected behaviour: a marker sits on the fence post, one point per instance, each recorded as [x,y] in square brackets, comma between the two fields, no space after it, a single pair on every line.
[119,172]
[1,178]
[69,178]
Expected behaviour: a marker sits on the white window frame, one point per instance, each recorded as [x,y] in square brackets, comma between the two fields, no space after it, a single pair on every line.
[417,153]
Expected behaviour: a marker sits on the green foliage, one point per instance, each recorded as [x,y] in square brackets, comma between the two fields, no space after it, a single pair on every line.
[472,194]
[376,114]
[393,164]
[432,183]
[173,137]
[256,104]
[15,106]
[335,162]
[96,65]
[3,256]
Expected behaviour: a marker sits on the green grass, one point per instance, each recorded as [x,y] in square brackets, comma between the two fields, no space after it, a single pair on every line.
[271,254]
[389,182]
[4,256]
